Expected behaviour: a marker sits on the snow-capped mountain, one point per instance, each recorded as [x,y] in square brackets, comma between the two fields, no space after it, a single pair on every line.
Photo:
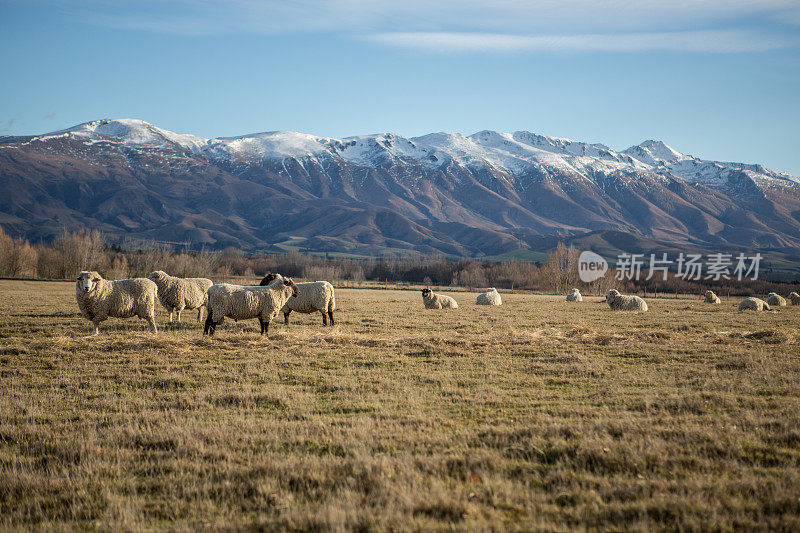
[465,195]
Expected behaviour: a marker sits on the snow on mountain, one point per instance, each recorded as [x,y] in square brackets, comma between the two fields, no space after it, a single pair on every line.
[510,153]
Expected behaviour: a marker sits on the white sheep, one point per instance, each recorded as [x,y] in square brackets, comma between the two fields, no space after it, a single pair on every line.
[244,302]
[437,301]
[711,298]
[753,304]
[99,299]
[619,302]
[490,297]
[794,298]
[312,296]
[574,296]
[776,300]
[177,294]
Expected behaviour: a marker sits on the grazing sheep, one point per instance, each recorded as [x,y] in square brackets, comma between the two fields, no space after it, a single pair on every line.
[712,298]
[244,302]
[312,296]
[753,304]
[490,297]
[574,296]
[794,298]
[776,300]
[619,302]
[99,299]
[177,294]
[437,301]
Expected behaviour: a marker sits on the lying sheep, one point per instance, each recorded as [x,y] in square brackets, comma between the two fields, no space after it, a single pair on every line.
[437,301]
[99,299]
[794,298]
[753,304]
[312,296]
[775,299]
[490,297]
[177,294]
[619,302]
[574,296]
[244,302]
[712,298]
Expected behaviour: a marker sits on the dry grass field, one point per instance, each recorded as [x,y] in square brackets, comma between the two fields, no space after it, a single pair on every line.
[538,415]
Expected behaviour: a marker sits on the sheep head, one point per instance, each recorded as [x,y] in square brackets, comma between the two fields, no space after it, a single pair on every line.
[269,278]
[88,280]
[426,293]
[288,282]
[158,275]
[612,295]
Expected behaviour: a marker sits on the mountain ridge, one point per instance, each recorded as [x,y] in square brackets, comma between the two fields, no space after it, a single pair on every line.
[475,195]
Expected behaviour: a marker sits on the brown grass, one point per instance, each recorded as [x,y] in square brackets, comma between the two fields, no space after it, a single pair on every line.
[540,414]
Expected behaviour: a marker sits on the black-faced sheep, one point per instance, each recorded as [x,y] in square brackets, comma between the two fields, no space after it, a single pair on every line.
[177,294]
[753,304]
[574,296]
[619,302]
[794,298]
[99,299]
[244,302]
[490,297]
[437,301]
[711,298]
[312,296]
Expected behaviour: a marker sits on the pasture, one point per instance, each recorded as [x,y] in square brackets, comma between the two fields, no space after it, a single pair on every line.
[537,415]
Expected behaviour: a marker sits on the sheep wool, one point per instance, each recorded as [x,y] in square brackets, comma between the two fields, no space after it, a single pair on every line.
[712,298]
[620,302]
[490,297]
[574,296]
[312,296]
[245,302]
[794,298]
[437,301]
[753,304]
[98,299]
[776,300]
[177,294]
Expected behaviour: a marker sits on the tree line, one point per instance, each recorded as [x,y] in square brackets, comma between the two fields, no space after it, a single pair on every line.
[71,252]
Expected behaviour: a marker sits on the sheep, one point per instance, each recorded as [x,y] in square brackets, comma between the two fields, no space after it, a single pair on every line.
[177,294]
[619,302]
[98,299]
[574,296]
[794,298]
[490,297]
[712,298]
[437,301]
[312,296]
[775,299]
[244,302]
[753,304]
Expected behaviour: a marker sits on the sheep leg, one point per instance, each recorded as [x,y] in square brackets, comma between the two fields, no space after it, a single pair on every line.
[200,313]
[324,319]
[286,318]
[152,321]
[96,329]
[264,326]
[179,315]
[330,316]
[170,316]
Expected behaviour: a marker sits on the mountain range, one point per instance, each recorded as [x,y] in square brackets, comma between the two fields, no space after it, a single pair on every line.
[485,194]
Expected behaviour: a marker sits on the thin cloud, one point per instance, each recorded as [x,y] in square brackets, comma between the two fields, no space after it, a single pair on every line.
[9,123]
[49,116]
[711,41]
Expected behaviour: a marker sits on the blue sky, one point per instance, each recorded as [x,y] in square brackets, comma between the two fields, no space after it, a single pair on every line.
[716,79]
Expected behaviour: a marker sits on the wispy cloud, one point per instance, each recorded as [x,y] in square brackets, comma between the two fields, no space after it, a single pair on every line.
[8,124]
[711,41]
[49,116]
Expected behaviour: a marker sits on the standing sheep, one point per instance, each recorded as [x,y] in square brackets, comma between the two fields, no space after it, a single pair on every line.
[574,296]
[312,296]
[776,300]
[753,304]
[244,302]
[99,299]
[794,298]
[490,297]
[437,301]
[712,298]
[619,302]
[177,294]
